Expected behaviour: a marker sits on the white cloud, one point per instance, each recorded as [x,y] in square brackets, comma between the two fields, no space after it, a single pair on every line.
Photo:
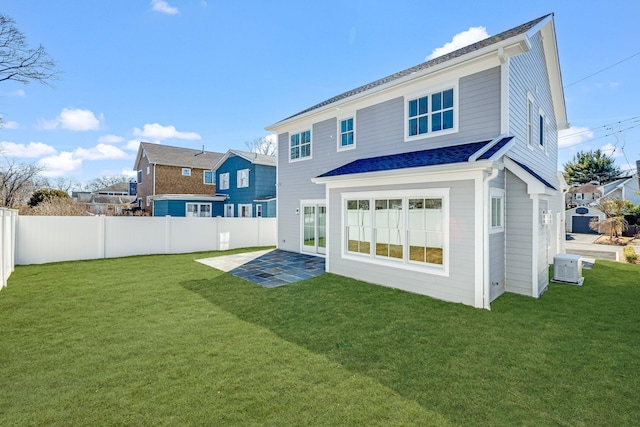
[573,136]
[33,149]
[611,150]
[16,93]
[62,164]
[110,139]
[132,145]
[163,7]
[129,172]
[73,119]
[9,125]
[465,38]
[100,152]
[158,132]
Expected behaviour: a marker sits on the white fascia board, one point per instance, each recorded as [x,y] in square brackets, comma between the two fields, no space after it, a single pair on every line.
[534,186]
[550,46]
[204,197]
[481,59]
[488,147]
[454,172]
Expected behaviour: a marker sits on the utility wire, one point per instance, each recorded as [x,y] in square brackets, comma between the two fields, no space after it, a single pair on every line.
[604,69]
[600,137]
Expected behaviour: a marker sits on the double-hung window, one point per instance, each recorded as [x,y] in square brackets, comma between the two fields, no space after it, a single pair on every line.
[497,210]
[431,113]
[347,133]
[139,178]
[300,146]
[208,177]
[224,181]
[408,229]
[243,178]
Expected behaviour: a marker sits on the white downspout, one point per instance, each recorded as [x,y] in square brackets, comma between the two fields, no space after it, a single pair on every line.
[485,235]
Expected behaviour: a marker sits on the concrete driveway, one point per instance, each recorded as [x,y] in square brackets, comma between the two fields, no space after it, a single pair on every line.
[583,244]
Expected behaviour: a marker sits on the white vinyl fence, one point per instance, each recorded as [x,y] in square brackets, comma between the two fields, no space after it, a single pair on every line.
[41,239]
[8,219]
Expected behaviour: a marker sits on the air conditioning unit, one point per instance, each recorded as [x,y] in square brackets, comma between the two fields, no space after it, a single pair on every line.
[567,268]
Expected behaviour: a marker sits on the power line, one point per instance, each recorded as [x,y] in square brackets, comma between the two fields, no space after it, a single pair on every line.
[607,126]
[604,69]
[600,137]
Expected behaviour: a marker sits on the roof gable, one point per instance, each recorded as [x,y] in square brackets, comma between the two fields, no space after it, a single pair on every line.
[168,155]
[255,158]
[518,35]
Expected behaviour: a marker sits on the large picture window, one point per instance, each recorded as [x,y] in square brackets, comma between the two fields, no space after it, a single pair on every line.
[403,227]
[431,113]
[300,145]
[198,209]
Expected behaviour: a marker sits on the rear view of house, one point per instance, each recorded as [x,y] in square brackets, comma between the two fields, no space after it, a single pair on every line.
[440,179]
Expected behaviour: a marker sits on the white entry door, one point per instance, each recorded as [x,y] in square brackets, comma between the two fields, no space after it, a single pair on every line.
[314,229]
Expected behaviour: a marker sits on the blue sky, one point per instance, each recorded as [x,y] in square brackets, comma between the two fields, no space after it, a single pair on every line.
[195,73]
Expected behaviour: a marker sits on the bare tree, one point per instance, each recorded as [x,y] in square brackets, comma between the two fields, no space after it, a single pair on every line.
[19,62]
[18,181]
[265,145]
[105,181]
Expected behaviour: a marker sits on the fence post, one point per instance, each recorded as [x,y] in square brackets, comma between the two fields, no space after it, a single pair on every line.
[167,234]
[3,244]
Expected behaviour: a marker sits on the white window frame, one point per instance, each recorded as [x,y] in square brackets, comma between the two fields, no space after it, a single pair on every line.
[148,170]
[244,208]
[149,200]
[186,171]
[224,181]
[341,119]
[226,206]
[530,129]
[496,194]
[212,177]
[139,177]
[300,132]
[405,263]
[258,210]
[242,178]
[543,131]
[428,92]
[199,206]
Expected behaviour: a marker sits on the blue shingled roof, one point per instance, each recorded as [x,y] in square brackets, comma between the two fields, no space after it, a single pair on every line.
[535,175]
[493,150]
[414,159]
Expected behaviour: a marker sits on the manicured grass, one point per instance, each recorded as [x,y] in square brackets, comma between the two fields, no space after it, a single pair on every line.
[164,340]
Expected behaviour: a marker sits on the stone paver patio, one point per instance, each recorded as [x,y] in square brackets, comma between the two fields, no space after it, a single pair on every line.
[269,268]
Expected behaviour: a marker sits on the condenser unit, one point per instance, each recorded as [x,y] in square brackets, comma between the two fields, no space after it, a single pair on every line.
[567,268]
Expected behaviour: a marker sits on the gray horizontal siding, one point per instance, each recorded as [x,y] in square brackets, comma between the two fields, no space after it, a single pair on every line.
[518,222]
[458,287]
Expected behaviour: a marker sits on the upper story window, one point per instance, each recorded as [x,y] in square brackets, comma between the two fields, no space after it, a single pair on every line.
[431,113]
[139,179]
[208,177]
[300,145]
[148,170]
[243,178]
[186,172]
[346,130]
[542,131]
[224,181]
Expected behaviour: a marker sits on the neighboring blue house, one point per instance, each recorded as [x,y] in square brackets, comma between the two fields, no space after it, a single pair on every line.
[248,180]
[440,179]
[200,205]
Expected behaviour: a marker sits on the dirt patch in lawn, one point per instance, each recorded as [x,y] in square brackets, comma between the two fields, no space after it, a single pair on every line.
[617,241]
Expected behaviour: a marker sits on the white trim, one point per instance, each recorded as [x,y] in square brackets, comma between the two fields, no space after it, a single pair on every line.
[199,207]
[300,131]
[504,96]
[227,182]
[531,122]
[451,84]
[339,119]
[186,171]
[405,263]
[315,203]
[248,207]
[534,186]
[239,178]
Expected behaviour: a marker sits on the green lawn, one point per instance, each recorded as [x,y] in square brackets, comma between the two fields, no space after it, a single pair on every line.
[164,340]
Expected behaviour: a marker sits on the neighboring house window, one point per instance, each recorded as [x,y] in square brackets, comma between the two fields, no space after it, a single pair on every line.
[497,210]
[208,177]
[347,138]
[148,170]
[431,113]
[198,209]
[243,178]
[224,181]
[139,177]
[244,211]
[186,172]
[404,227]
[258,211]
[148,200]
[228,210]
[300,145]
[530,121]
